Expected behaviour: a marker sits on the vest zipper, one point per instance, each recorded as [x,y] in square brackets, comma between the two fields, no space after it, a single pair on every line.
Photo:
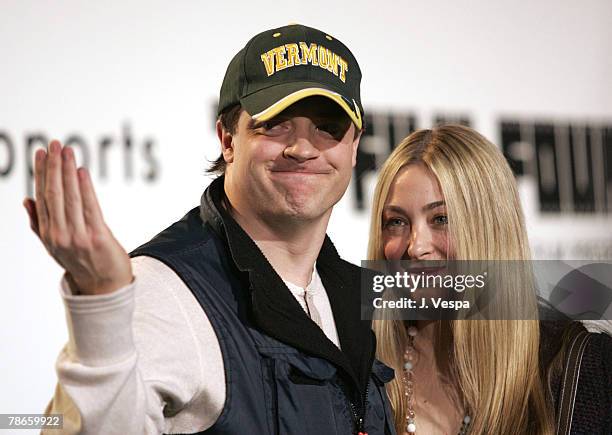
[357,418]
[275,398]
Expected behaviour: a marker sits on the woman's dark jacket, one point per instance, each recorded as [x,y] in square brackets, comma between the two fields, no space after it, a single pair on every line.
[593,404]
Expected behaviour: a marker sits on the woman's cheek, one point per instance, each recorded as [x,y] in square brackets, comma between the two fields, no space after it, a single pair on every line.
[444,246]
[394,248]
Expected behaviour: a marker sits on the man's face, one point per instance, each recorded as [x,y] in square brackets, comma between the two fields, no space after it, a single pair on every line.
[297,165]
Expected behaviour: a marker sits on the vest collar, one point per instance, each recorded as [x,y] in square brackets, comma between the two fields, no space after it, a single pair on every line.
[275,311]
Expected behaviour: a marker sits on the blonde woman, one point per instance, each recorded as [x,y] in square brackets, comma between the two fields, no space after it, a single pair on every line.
[448,193]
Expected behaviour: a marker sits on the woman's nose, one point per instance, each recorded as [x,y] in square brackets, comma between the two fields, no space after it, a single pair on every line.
[419,244]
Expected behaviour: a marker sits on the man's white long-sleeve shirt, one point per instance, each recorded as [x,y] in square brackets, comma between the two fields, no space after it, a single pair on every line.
[146,359]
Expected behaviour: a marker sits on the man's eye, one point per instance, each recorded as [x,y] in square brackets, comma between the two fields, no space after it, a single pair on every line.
[270,125]
[274,127]
[334,130]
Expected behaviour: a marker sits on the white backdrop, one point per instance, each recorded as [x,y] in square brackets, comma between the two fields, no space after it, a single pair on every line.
[99,69]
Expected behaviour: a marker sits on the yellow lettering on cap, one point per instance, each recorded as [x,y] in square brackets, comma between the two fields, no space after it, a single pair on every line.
[288,55]
[293,56]
[309,53]
[322,56]
[332,62]
[281,62]
[343,69]
[268,60]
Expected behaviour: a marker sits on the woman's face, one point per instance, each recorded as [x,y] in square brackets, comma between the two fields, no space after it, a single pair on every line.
[415,223]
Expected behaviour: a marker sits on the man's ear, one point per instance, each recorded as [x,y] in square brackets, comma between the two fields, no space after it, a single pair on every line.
[226,141]
[355,146]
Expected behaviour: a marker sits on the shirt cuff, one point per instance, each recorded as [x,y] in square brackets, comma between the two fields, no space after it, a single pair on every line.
[100,326]
[598,326]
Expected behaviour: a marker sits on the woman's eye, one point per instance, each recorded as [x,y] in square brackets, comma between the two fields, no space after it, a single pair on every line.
[441,219]
[394,223]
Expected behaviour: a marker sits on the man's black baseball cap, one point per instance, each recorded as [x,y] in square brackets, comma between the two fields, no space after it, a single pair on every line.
[280,66]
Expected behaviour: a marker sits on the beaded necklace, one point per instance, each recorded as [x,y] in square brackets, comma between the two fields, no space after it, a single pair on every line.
[409,382]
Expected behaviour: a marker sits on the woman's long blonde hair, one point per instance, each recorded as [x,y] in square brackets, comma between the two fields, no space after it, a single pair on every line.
[493,363]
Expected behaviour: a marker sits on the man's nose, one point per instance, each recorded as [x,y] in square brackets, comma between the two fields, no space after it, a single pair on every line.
[301,145]
[420,243]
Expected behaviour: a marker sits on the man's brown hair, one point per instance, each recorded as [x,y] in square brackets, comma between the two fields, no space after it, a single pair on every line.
[229,121]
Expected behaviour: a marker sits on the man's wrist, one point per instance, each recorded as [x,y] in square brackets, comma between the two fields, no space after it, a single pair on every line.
[100,326]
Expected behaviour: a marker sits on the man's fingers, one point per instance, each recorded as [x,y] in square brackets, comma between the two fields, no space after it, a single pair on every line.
[72,195]
[54,191]
[30,207]
[40,163]
[91,207]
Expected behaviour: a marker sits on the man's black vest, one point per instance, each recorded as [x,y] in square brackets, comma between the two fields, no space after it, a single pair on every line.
[283,375]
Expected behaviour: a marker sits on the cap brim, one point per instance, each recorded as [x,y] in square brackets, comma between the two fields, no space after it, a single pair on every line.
[269,102]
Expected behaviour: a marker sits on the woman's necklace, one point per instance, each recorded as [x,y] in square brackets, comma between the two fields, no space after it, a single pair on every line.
[409,382]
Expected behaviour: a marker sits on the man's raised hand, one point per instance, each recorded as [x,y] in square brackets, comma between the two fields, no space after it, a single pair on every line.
[67,219]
